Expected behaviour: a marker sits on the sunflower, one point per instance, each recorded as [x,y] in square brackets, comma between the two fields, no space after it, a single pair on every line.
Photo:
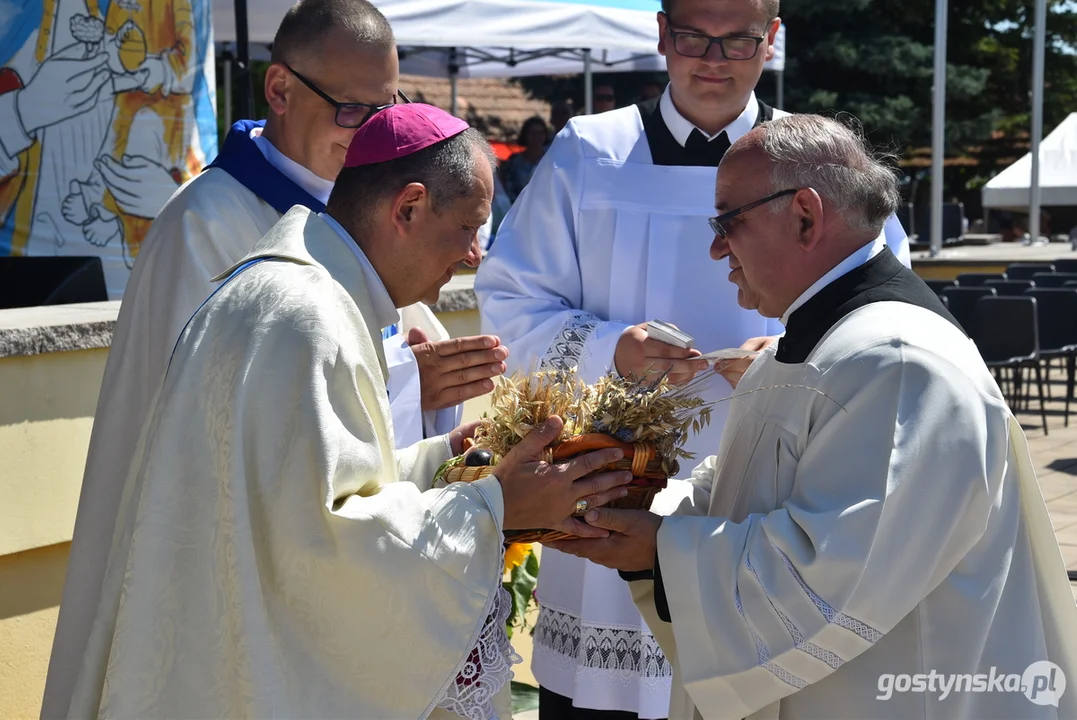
[515,554]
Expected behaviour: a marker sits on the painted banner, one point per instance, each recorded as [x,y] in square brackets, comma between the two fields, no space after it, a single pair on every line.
[106,108]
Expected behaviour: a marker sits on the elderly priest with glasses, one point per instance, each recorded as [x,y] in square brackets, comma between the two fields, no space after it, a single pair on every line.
[612,233]
[870,540]
[334,65]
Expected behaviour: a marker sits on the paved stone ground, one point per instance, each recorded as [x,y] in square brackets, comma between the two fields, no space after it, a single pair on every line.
[1055,457]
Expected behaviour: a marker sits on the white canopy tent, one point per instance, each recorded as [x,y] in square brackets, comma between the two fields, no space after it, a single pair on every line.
[1011,189]
[501,38]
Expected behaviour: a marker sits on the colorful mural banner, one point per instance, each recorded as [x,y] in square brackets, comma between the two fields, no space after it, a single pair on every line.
[106,108]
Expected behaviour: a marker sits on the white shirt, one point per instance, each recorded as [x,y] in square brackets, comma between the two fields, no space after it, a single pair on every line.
[385,311]
[850,263]
[317,186]
[680,127]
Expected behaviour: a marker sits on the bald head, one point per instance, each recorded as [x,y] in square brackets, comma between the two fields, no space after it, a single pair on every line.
[811,151]
[308,23]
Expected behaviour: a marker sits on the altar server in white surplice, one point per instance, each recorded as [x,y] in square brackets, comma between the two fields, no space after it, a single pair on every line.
[345,49]
[275,555]
[611,232]
[870,540]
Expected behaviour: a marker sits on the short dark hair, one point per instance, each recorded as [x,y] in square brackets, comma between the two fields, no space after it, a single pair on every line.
[521,138]
[446,169]
[770,8]
[307,23]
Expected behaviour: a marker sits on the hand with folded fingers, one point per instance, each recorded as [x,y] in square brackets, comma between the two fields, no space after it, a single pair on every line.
[544,495]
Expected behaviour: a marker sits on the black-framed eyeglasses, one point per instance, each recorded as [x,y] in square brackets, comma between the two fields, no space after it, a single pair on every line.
[697,45]
[720,224]
[349,115]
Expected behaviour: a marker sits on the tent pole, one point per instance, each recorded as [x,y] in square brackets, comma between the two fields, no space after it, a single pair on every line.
[454,70]
[227,109]
[1039,47]
[938,135]
[588,100]
[243,62]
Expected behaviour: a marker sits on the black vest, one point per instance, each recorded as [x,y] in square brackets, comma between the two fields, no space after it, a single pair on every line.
[881,279]
[665,150]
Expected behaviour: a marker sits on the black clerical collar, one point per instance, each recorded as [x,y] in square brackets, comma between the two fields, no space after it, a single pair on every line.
[881,279]
[665,150]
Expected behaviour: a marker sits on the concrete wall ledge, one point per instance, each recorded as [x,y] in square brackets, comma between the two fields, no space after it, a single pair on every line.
[89,326]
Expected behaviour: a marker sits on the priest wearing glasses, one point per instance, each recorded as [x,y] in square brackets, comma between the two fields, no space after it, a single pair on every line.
[334,65]
[872,512]
[611,233]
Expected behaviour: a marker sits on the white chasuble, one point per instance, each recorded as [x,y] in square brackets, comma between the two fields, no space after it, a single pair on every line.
[209,224]
[275,555]
[874,516]
[603,238]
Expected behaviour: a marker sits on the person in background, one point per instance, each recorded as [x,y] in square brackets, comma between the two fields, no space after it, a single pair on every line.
[560,113]
[612,233]
[516,171]
[334,64]
[651,90]
[605,99]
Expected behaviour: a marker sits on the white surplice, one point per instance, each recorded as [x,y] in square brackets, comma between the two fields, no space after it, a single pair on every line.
[275,555]
[874,511]
[209,224]
[602,239]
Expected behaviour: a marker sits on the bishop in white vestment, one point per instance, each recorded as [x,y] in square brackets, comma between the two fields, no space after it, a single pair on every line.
[208,225]
[274,553]
[610,232]
[870,540]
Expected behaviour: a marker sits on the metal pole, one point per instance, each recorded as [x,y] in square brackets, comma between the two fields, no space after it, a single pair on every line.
[1039,48]
[588,100]
[938,135]
[227,109]
[454,70]
[245,106]
[781,90]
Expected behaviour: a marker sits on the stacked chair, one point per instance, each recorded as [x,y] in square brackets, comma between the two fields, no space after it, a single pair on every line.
[1022,319]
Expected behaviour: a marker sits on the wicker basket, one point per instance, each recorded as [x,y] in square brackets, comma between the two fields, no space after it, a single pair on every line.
[647,477]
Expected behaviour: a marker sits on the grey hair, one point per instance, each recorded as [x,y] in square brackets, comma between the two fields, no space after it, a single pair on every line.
[834,160]
[446,169]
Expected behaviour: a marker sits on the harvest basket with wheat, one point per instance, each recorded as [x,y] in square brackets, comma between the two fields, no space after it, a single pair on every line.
[649,421]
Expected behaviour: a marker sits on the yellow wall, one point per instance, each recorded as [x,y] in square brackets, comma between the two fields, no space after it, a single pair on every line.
[47,404]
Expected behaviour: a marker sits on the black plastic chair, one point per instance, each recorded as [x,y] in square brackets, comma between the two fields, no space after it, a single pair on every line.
[1006,331]
[945,302]
[937,286]
[1010,287]
[1056,309]
[978,279]
[962,303]
[1066,265]
[1052,280]
[1025,271]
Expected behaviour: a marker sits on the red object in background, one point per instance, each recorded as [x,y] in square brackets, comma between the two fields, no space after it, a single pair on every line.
[504,150]
[9,80]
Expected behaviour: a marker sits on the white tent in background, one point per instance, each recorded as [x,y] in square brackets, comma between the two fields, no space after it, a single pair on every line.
[499,38]
[1010,189]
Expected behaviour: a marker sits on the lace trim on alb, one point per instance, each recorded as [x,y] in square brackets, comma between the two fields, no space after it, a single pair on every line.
[569,345]
[627,651]
[487,669]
